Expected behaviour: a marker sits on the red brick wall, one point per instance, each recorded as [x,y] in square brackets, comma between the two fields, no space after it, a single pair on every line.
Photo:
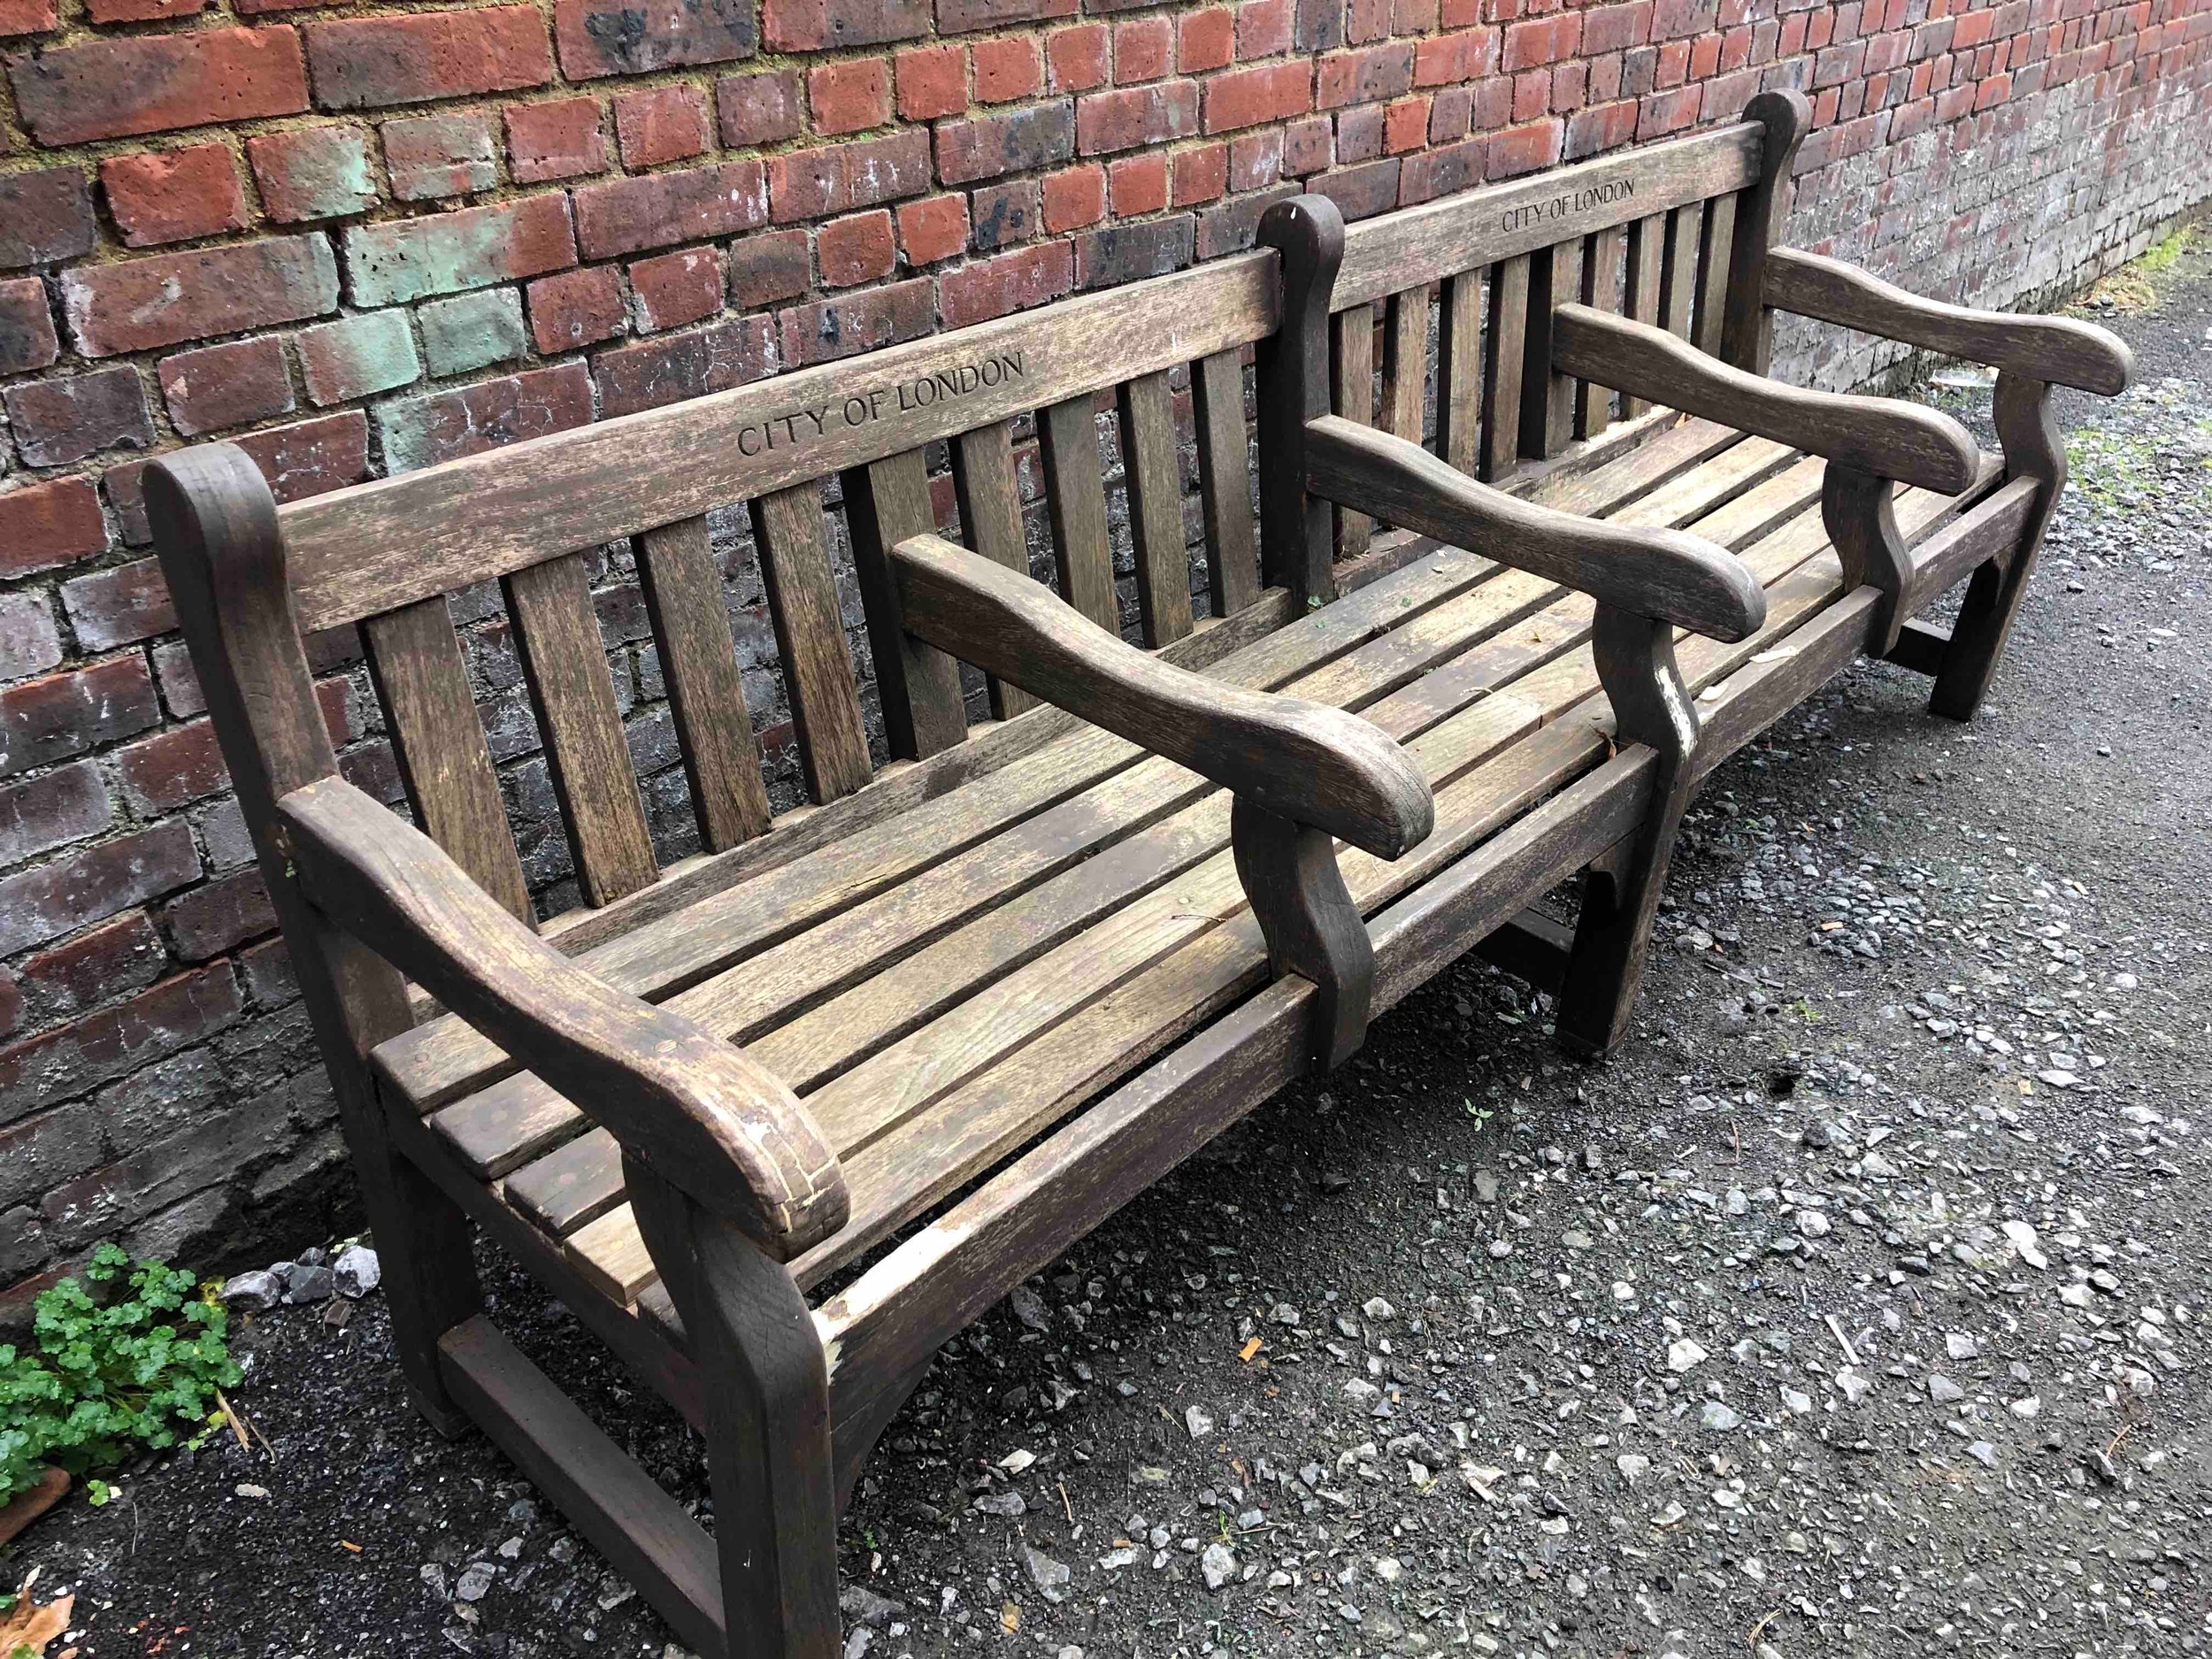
[357,239]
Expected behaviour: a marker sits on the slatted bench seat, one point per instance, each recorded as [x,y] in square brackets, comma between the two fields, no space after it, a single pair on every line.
[781,1119]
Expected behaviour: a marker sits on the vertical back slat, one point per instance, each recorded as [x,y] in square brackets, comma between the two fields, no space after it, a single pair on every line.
[1406,364]
[1600,289]
[810,636]
[1502,373]
[706,694]
[1352,394]
[444,760]
[991,515]
[1459,369]
[1075,493]
[1547,400]
[917,685]
[1712,284]
[1647,264]
[1154,474]
[565,661]
[1225,482]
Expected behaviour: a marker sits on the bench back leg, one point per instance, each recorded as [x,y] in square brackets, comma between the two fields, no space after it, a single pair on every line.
[1620,894]
[215,527]
[2028,426]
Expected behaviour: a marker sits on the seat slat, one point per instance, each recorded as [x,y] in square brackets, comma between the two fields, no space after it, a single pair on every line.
[1152,470]
[1459,369]
[706,694]
[810,637]
[991,520]
[1075,493]
[1225,482]
[438,739]
[1406,364]
[1352,394]
[1501,368]
[1647,263]
[917,685]
[564,660]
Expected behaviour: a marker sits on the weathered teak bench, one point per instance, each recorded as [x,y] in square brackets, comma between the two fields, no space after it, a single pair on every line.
[942,1020]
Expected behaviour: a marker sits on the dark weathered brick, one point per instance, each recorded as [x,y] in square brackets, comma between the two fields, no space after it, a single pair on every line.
[625,37]
[1128,117]
[118,606]
[853,323]
[168,298]
[419,431]
[172,769]
[151,83]
[219,916]
[687,364]
[62,895]
[29,642]
[1015,141]
[27,326]
[60,420]
[67,804]
[1003,215]
[417,57]
[408,259]
[768,266]
[99,965]
[620,216]
[1126,253]
[61,1065]
[985,288]
[955,17]
[816,183]
[226,385]
[808,25]
[50,719]
[310,457]
[43,526]
[758,108]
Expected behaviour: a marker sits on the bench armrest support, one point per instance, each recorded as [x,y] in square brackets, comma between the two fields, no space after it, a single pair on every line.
[1879,436]
[1665,574]
[710,1120]
[1303,761]
[2057,350]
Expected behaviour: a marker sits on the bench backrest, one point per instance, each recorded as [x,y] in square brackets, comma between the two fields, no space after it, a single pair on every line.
[1652,232]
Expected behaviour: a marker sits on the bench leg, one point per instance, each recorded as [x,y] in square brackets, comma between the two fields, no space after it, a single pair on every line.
[769,1459]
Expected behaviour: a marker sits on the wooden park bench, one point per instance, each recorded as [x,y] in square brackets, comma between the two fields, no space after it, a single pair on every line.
[910,1039]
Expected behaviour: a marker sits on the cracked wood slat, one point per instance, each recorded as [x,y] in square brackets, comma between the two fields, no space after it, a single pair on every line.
[1501,371]
[1152,472]
[917,686]
[1406,364]
[1075,493]
[810,638]
[1641,294]
[1459,369]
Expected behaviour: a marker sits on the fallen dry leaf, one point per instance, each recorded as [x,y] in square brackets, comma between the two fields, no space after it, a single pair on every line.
[31,1624]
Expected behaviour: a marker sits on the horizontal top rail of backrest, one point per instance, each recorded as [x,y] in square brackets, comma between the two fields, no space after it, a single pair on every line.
[359,552]
[1418,245]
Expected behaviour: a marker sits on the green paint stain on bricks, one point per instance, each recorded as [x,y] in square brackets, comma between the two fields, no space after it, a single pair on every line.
[327,178]
[356,355]
[392,263]
[472,332]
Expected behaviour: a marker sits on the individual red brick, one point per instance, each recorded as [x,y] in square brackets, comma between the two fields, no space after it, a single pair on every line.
[813,26]
[1076,57]
[113,959]
[1366,76]
[758,109]
[664,124]
[1007,68]
[983,289]
[1263,28]
[118,606]
[576,308]
[27,326]
[141,10]
[830,178]
[934,228]
[422,431]
[310,457]
[453,153]
[625,37]
[559,140]
[1448,59]
[1255,160]
[1144,49]
[217,916]
[62,807]
[408,259]
[312,172]
[43,526]
[355,356]
[1666,113]
[672,289]
[1359,133]
[620,216]
[29,17]
[45,217]
[1074,197]
[60,420]
[1200,174]
[1254,97]
[174,194]
[1406,126]
[856,249]
[850,95]
[227,384]
[29,642]
[1018,141]
[173,768]
[690,365]
[958,17]
[1539,40]
[850,324]
[770,265]
[369,62]
[43,721]
[1002,215]
[1205,39]
[151,83]
[1520,150]
[66,895]
[137,304]
[1124,120]
[1601,127]
[1138,184]
[1308,147]
[1129,253]
[932,82]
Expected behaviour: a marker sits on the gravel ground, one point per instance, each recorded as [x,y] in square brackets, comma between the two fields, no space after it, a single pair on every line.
[1853,1308]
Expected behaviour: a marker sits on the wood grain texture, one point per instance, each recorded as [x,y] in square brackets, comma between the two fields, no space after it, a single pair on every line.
[810,640]
[1352,396]
[438,740]
[918,687]
[564,660]
[1678,280]
[690,618]
[1075,493]
[1643,287]
[1459,371]
[1406,364]
[1548,391]
[1717,242]
[1862,524]
[2060,349]
[1224,483]
[1603,256]
[990,502]
[1502,372]
[1746,337]
[1152,472]
[1874,434]
[1993,532]
[1290,877]
[1313,764]
[1297,534]
[1655,572]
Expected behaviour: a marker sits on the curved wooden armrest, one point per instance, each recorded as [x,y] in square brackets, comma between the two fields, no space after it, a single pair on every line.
[2060,349]
[711,1121]
[1878,436]
[1666,574]
[1313,765]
